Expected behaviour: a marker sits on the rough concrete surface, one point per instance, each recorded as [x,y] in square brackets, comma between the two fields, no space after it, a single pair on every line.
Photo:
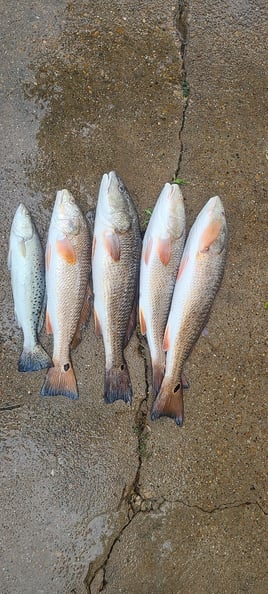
[97,498]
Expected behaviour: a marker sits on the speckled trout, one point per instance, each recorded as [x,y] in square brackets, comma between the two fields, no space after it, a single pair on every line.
[26,264]
[67,280]
[199,276]
[161,253]
[116,253]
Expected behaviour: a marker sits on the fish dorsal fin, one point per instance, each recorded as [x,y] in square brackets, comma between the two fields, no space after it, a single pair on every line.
[209,235]
[112,245]
[66,250]
[164,250]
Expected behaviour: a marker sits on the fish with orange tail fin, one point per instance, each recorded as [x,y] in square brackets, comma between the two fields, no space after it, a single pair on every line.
[116,252]
[198,279]
[68,294]
[162,249]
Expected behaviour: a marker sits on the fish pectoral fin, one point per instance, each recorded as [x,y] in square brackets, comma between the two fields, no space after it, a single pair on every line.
[169,403]
[66,250]
[142,321]
[98,330]
[112,245]
[182,266]
[49,329]
[83,319]
[22,248]
[209,236]
[147,250]
[48,256]
[164,250]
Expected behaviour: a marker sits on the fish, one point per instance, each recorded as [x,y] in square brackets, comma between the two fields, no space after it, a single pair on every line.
[199,276]
[116,251]
[162,248]
[68,291]
[27,267]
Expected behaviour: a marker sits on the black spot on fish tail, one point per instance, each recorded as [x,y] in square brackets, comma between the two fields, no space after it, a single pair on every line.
[117,384]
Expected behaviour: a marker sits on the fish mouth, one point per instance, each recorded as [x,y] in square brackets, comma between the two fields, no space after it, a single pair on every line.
[22,223]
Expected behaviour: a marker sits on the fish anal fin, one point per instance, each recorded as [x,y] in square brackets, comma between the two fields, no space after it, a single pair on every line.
[169,403]
[83,319]
[60,381]
[112,245]
[117,384]
[142,321]
[147,251]
[164,250]
[49,329]
[98,330]
[166,340]
[66,250]
[210,235]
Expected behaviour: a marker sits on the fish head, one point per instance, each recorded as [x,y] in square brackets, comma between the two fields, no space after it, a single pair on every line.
[22,224]
[66,215]
[113,206]
[169,214]
[212,227]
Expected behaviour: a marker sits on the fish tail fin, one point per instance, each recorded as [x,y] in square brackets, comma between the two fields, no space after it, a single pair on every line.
[34,360]
[117,384]
[60,382]
[169,403]
[158,374]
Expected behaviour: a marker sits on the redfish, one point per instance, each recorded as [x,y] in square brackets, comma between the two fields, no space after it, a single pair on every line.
[199,276]
[161,253]
[67,280]
[27,268]
[116,253]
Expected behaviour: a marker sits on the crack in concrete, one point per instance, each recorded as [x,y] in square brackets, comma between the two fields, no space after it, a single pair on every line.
[182,27]
[221,507]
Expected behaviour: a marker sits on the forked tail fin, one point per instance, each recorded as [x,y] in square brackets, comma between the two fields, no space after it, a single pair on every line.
[117,384]
[169,403]
[60,382]
[34,360]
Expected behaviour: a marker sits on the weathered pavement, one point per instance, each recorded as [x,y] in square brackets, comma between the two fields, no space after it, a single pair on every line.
[96,497]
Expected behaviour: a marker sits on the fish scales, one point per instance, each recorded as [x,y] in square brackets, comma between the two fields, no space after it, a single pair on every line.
[161,253]
[199,277]
[67,279]
[26,264]
[115,268]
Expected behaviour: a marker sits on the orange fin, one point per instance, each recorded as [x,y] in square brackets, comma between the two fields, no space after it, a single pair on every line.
[98,330]
[60,381]
[166,345]
[49,329]
[83,319]
[48,256]
[183,265]
[169,403]
[142,322]
[132,323]
[164,250]
[148,250]
[158,374]
[117,384]
[66,250]
[210,234]
[112,245]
